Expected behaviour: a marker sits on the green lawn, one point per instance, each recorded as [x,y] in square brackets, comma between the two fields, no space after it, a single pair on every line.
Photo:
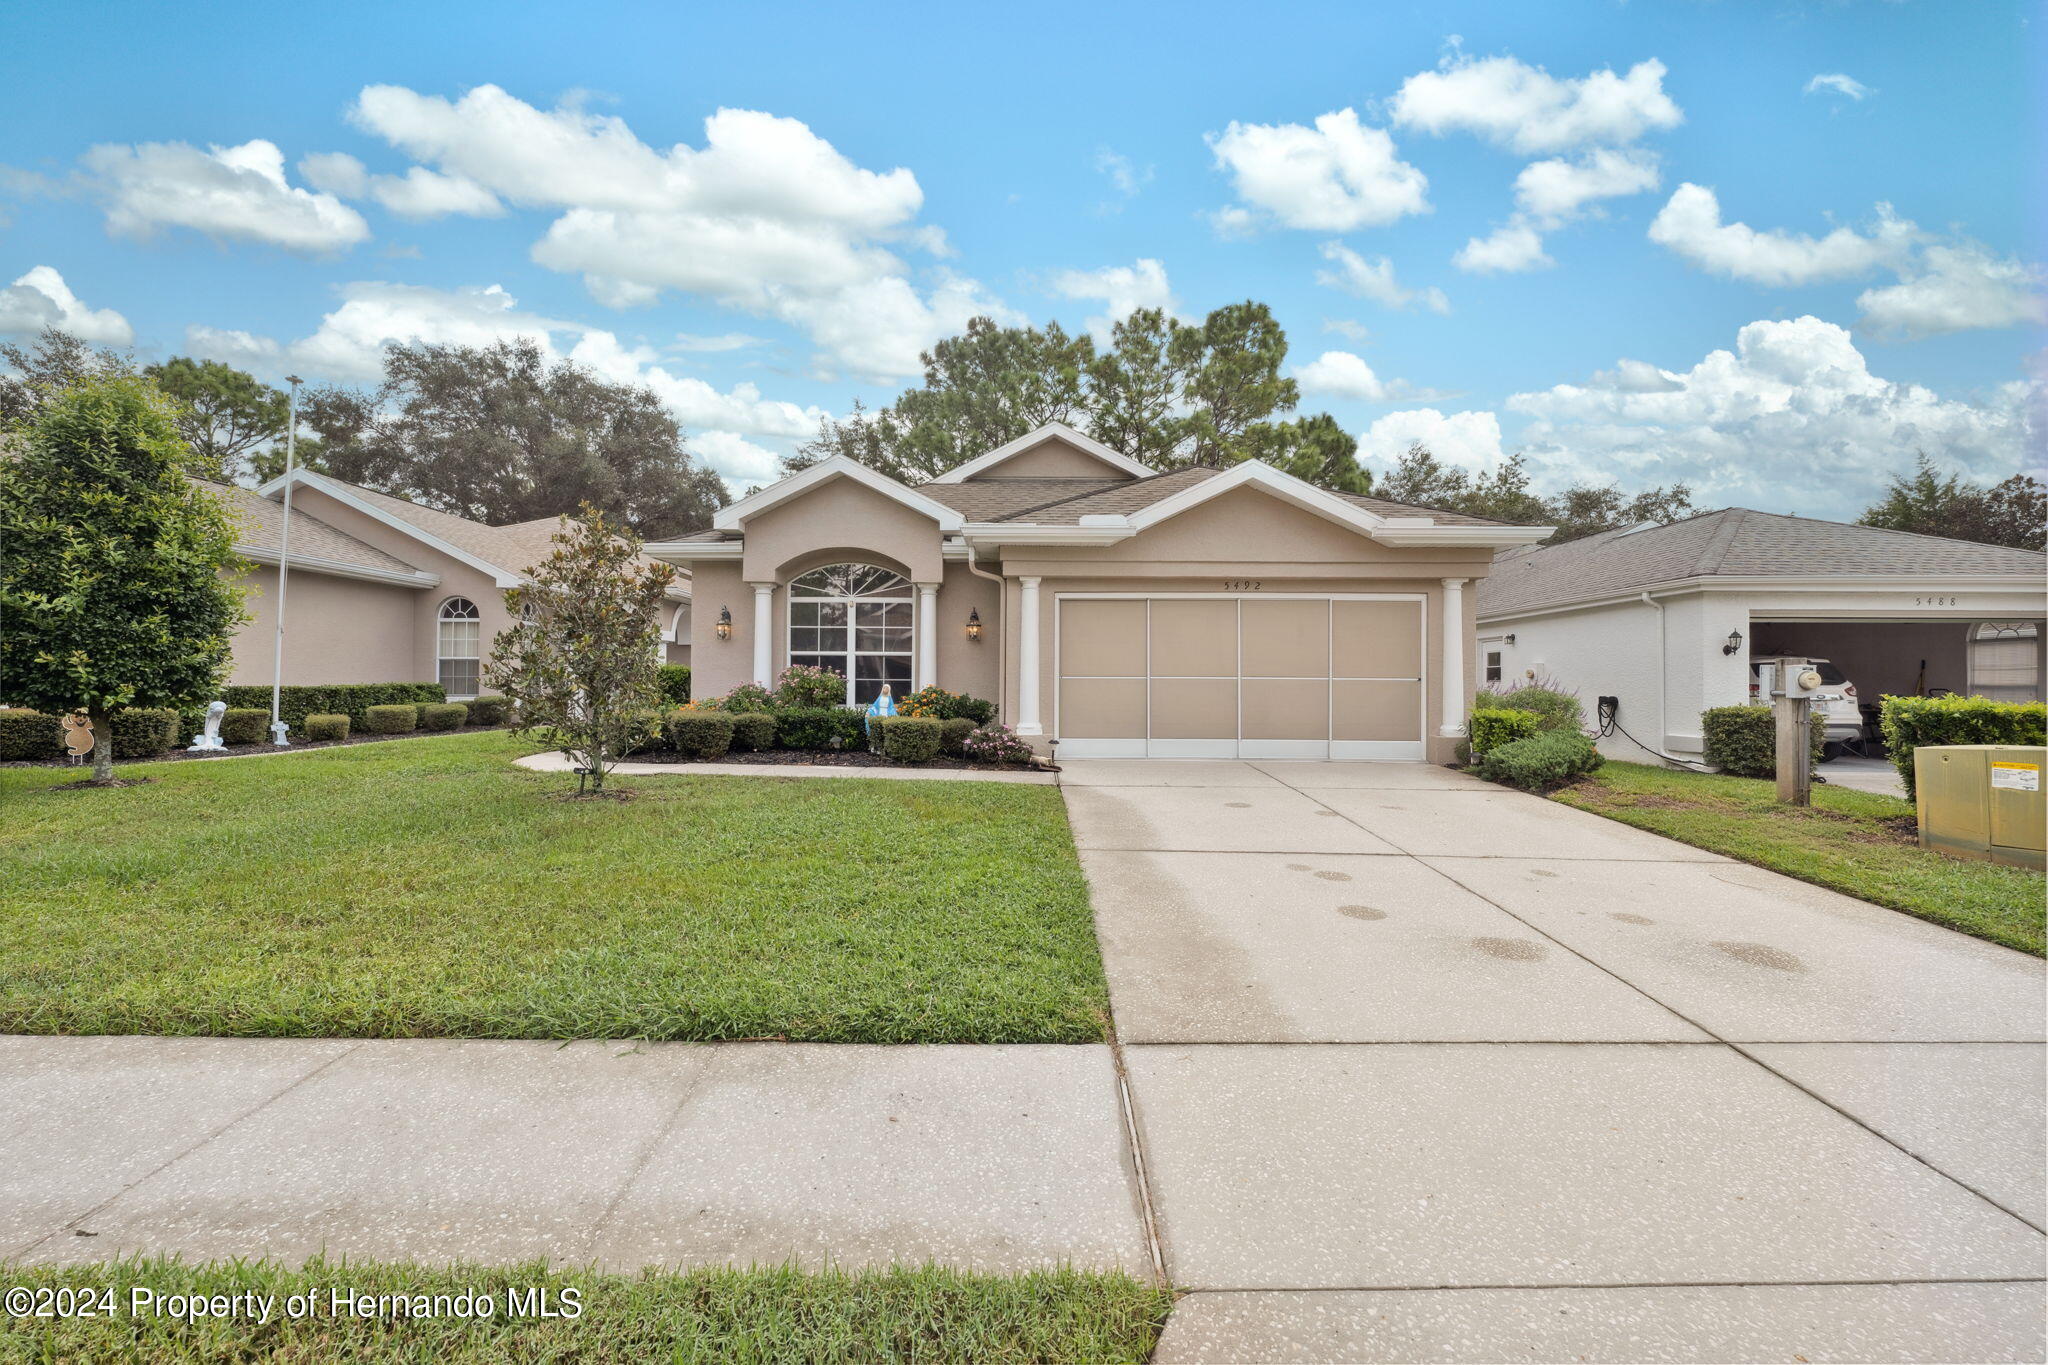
[698,1317]
[429,888]
[1861,843]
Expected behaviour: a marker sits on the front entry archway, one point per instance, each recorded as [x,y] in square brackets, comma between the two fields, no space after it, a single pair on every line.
[857,620]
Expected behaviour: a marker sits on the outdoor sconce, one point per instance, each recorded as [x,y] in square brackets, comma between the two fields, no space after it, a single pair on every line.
[725,623]
[1734,642]
[973,623]
[1510,637]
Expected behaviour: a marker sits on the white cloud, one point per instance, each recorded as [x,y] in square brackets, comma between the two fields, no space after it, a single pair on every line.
[1340,374]
[1956,287]
[1690,225]
[1556,190]
[1514,246]
[1124,289]
[225,192]
[734,458]
[1791,419]
[697,405]
[41,299]
[1335,177]
[1349,328]
[421,193]
[1375,280]
[1125,176]
[766,216]
[337,173]
[1469,440]
[725,341]
[1527,110]
[1835,83]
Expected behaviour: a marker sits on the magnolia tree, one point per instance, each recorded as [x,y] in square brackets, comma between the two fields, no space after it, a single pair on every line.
[114,584]
[583,663]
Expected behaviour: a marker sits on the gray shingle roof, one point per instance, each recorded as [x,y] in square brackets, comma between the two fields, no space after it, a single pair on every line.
[1735,542]
[260,526]
[1063,502]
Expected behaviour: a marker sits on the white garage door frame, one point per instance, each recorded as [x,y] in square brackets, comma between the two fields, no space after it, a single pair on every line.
[1148,747]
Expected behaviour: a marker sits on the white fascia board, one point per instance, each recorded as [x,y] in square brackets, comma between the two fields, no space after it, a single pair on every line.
[1258,474]
[675,551]
[1444,533]
[1822,584]
[1051,431]
[1026,533]
[418,578]
[308,479]
[734,517]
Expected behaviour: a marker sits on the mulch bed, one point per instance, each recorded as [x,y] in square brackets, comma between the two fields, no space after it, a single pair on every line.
[834,758]
[180,754]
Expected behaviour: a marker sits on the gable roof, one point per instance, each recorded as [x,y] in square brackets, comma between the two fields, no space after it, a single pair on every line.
[736,515]
[259,536]
[1031,440]
[1736,542]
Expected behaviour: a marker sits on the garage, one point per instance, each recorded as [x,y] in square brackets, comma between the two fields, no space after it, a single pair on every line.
[1267,675]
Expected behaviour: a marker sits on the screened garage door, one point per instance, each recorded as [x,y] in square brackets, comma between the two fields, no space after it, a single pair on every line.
[1270,676]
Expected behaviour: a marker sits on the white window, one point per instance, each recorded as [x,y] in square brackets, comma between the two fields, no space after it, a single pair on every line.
[854,619]
[1493,663]
[461,648]
[2005,661]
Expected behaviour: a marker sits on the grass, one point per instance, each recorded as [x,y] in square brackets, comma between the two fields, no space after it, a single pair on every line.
[749,1317]
[431,889]
[1861,843]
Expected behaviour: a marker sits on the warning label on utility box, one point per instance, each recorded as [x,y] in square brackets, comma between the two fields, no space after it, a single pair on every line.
[2018,777]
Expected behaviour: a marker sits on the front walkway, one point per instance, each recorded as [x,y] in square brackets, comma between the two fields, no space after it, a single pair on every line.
[1426,1069]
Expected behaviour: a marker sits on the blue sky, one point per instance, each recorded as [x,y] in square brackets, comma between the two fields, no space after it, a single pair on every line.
[1640,242]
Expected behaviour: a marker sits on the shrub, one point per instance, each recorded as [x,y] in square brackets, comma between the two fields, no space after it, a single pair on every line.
[909,739]
[700,734]
[144,732]
[996,744]
[396,719]
[27,735]
[674,681]
[1908,722]
[940,704]
[1492,727]
[976,709]
[651,732]
[745,697]
[953,735]
[446,715]
[488,711]
[753,731]
[295,703]
[805,687]
[1543,761]
[1553,707]
[819,727]
[326,728]
[1742,741]
[246,725]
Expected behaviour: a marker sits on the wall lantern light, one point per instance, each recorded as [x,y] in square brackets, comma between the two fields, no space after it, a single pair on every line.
[1734,642]
[1510,637]
[725,623]
[973,623]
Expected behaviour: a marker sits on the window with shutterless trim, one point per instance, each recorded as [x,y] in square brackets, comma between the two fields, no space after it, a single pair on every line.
[459,634]
[857,620]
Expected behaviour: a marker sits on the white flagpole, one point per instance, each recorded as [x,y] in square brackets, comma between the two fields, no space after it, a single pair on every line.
[284,564]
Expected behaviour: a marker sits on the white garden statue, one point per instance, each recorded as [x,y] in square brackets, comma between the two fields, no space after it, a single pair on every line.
[209,738]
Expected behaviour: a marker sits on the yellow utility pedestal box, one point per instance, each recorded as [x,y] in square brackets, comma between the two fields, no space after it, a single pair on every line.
[1982,801]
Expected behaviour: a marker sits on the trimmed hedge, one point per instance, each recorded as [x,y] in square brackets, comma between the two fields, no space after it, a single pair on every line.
[321,729]
[674,682]
[27,735]
[139,732]
[489,711]
[701,734]
[1909,722]
[1742,741]
[819,727]
[144,732]
[939,704]
[953,736]
[446,715]
[353,700]
[395,719]
[745,697]
[753,731]
[1492,727]
[1554,708]
[245,725]
[909,739]
[1541,762]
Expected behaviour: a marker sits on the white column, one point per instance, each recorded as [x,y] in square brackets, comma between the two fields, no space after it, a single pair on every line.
[764,633]
[1027,657]
[1453,653]
[927,635]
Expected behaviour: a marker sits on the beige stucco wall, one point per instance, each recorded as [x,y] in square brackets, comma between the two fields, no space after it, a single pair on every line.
[718,666]
[840,521]
[1051,459]
[337,630]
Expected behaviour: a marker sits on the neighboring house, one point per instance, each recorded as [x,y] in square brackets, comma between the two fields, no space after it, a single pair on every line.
[1120,612]
[384,590]
[1666,618]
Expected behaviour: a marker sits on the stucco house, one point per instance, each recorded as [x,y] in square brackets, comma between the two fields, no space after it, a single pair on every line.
[1106,607]
[1666,619]
[384,590]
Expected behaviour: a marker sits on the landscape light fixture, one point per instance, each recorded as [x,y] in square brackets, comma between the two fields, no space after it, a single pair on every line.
[1734,642]
[973,623]
[725,623]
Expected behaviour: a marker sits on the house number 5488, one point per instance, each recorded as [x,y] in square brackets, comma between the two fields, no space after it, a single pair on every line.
[1936,602]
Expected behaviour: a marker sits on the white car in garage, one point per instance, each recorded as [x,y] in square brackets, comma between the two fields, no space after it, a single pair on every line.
[1836,704]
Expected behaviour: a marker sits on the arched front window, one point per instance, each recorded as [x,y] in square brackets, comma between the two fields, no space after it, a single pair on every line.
[854,619]
[2005,661]
[460,647]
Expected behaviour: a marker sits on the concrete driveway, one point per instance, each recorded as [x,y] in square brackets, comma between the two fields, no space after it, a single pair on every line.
[1424,1069]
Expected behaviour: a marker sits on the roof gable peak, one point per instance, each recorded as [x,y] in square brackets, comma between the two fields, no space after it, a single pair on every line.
[980,465]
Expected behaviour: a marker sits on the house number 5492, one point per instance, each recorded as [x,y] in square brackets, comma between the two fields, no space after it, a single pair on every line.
[1241,585]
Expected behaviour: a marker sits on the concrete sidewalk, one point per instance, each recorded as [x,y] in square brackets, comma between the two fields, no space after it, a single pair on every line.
[1425,1069]
[555,763]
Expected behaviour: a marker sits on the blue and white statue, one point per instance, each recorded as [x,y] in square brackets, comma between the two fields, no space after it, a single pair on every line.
[882,705]
[209,738]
